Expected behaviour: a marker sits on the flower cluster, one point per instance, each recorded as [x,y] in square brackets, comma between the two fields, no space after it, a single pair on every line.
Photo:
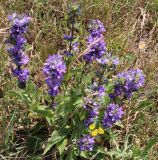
[96,91]
[109,60]
[112,114]
[100,91]
[68,38]
[73,47]
[95,131]
[17,42]
[96,28]
[54,69]
[86,143]
[93,110]
[73,13]
[72,16]
[95,42]
[128,82]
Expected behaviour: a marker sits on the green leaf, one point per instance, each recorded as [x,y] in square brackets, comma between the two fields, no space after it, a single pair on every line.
[149,145]
[10,128]
[101,150]
[144,104]
[69,75]
[62,104]
[44,111]
[77,125]
[84,155]
[110,87]
[54,139]
[136,150]
[61,146]
[106,100]
[78,102]
[14,94]
[71,155]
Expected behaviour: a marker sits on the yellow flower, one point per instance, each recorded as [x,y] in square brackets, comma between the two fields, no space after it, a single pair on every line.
[110,80]
[100,130]
[92,126]
[94,133]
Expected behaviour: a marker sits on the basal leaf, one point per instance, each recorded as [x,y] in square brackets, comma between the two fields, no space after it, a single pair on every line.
[44,111]
[54,139]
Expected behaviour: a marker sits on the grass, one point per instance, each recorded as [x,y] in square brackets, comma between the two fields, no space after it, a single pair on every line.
[131,34]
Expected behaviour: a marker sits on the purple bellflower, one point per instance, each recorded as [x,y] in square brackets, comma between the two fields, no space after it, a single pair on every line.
[128,82]
[86,143]
[101,91]
[93,110]
[95,42]
[112,114]
[109,60]
[17,43]
[54,69]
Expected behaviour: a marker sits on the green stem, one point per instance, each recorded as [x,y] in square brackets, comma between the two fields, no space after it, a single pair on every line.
[82,73]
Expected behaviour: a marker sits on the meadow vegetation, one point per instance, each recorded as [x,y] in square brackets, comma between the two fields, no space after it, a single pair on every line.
[36,125]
